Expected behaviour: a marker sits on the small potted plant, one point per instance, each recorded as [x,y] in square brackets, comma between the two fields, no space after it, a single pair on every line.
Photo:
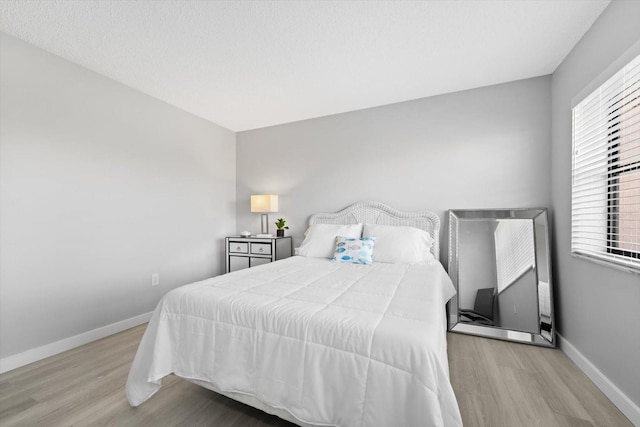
[280,223]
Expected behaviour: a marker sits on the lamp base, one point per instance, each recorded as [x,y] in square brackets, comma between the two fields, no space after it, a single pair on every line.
[264,224]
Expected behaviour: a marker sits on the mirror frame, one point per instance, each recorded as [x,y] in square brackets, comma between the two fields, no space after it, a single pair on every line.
[545,336]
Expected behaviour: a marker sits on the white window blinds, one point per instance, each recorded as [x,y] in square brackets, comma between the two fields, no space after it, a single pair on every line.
[605,190]
[515,253]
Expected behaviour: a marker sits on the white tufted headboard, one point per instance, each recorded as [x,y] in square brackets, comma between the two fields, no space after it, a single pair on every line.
[379,213]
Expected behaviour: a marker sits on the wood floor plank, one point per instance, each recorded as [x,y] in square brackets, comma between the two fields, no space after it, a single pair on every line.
[497,384]
[592,399]
[537,386]
[16,407]
[565,420]
[554,390]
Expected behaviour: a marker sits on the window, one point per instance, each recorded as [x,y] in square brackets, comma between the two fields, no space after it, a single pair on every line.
[605,189]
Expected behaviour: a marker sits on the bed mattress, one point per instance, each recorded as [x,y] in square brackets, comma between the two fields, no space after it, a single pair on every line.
[329,343]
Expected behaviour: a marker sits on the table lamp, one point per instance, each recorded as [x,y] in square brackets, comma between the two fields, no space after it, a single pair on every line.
[264,204]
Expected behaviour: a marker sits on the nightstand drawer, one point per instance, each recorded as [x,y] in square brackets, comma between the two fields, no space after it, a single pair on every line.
[238,247]
[261,248]
[258,261]
[238,263]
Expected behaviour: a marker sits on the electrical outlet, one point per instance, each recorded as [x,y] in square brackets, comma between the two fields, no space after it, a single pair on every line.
[155,279]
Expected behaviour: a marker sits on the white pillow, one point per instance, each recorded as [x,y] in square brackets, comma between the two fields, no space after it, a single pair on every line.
[400,244]
[320,239]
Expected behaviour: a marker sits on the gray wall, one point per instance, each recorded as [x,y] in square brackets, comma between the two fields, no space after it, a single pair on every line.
[481,148]
[101,187]
[518,304]
[598,308]
[476,260]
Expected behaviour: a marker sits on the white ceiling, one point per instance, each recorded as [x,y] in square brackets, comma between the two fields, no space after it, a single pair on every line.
[251,64]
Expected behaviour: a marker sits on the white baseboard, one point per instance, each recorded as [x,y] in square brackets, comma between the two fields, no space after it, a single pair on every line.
[10,363]
[626,406]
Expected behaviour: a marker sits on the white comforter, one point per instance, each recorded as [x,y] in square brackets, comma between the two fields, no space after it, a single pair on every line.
[331,343]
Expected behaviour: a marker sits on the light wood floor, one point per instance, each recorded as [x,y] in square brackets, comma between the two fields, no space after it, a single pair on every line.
[496,383]
[499,383]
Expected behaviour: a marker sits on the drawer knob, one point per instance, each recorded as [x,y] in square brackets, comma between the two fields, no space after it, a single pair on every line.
[238,248]
[261,250]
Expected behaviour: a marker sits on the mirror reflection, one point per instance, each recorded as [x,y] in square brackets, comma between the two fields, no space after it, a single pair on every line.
[499,264]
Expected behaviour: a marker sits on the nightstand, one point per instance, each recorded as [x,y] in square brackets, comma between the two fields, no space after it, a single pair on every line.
[246,252]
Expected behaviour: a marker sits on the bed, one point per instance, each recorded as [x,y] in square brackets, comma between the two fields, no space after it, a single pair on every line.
[314,340]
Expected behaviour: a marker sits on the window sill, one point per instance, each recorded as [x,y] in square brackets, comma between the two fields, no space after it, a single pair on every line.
[607,262]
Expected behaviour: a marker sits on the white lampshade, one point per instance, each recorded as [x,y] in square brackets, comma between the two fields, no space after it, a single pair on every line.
[264,203]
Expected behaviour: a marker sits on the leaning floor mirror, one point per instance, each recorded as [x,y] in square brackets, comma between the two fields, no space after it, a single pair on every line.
[499,264]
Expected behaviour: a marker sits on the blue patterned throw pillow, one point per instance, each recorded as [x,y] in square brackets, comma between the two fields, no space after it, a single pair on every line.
[353,250]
